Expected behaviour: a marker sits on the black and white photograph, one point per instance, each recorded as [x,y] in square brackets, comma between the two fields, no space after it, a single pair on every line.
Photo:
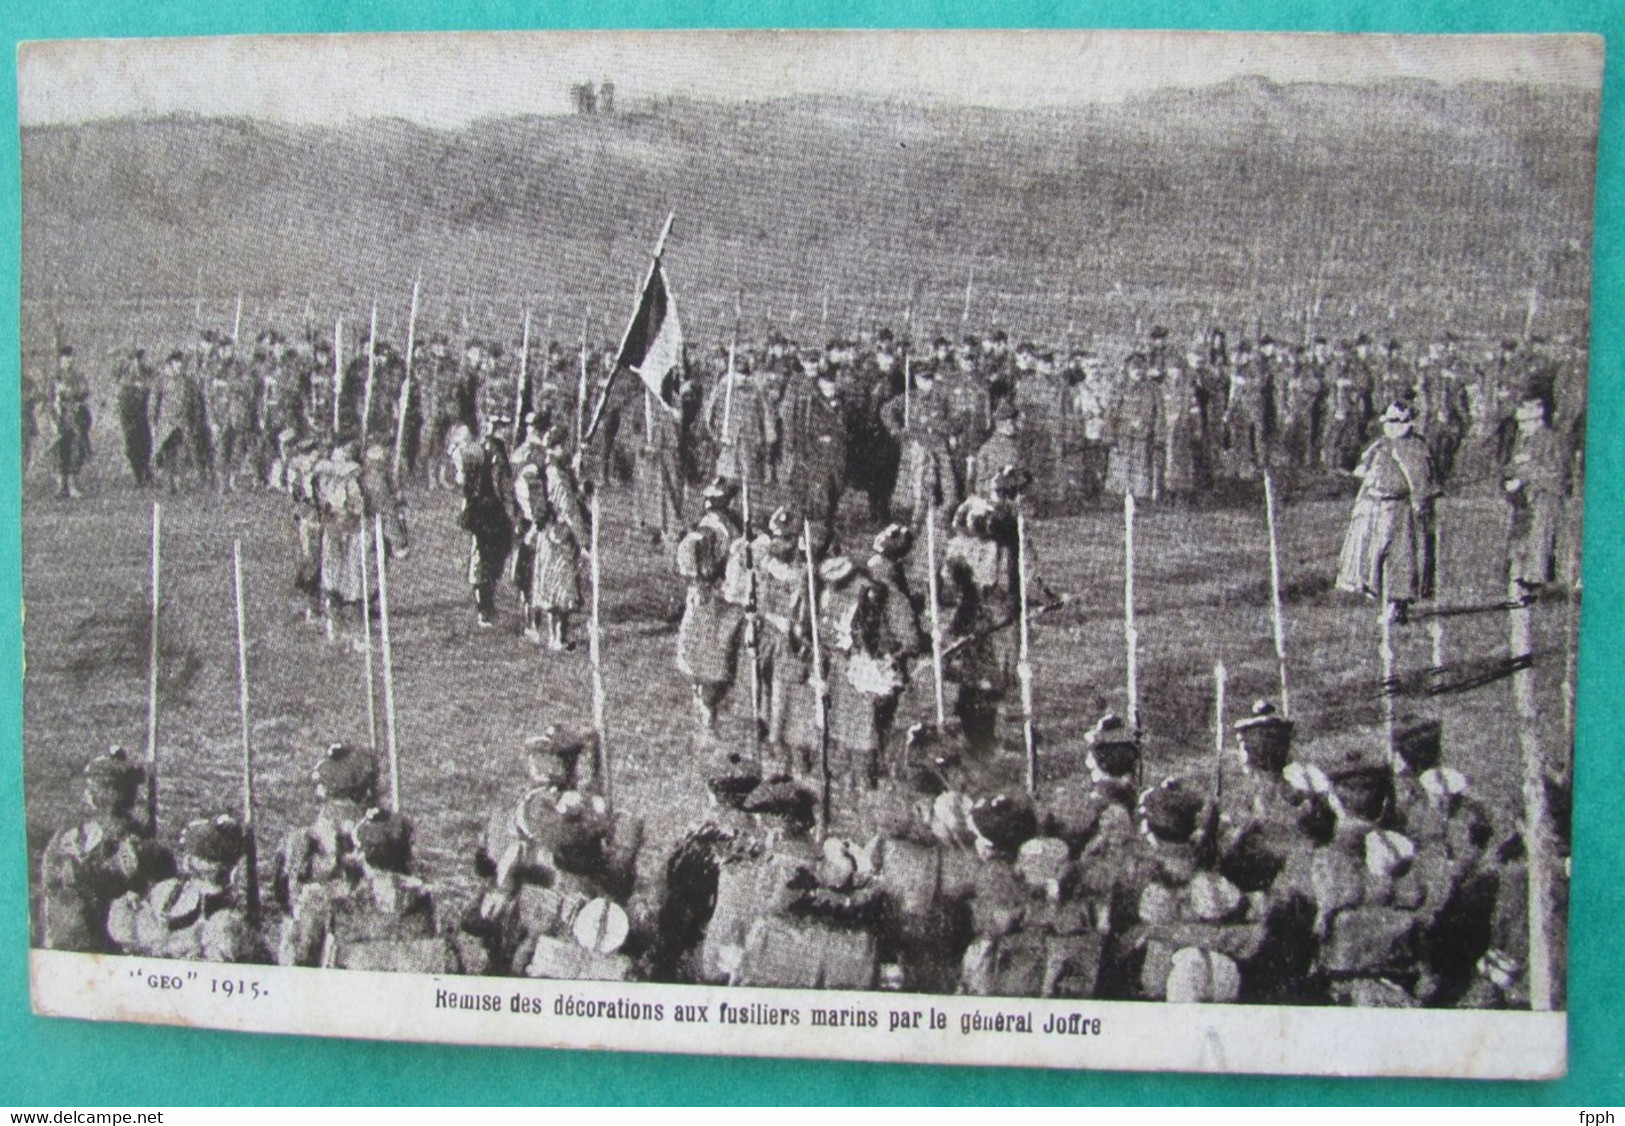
[1046,548]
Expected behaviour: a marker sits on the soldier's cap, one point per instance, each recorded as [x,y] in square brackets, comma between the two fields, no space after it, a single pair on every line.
[384,839]
[721,488]
[1419,744]
[1316,818]
[1004,822]
[1000,336]
[346,773]
[1159,332]
[782,524]
[1010,481]
[735,779]
[1266,736]
[113,772]
[782,796]
[562,744]
[1170,811]
[894,541]
[1443,783]
[1135,360]
[215,840]
[836,570]
[65,351]
[175,357]
[884,336]
[1197,976]
[1320,340]
[1363,785]
[1005,411]
[1395,346]
[942,342]
[1399,411]
[924,372]
[1110,730]
[1306,779]
[1243,348]
[1388,853]
[971,517]
[1364,339]
[1214,899]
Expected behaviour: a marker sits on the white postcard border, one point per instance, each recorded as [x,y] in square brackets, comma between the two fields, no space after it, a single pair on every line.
[907,1028]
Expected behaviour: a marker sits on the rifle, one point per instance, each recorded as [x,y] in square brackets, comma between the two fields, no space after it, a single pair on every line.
[752,639]
[251,873]
[519,386]
[406,385]
[380,545]
[820,689]
[152,681]
[1209,857]
[1024,665]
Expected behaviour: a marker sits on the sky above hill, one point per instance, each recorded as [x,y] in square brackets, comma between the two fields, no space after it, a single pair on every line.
[448,80]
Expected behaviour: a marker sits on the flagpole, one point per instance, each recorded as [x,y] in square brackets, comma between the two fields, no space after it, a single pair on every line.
[654,264]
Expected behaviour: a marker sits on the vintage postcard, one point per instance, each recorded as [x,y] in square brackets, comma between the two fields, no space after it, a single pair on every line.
[1050,549]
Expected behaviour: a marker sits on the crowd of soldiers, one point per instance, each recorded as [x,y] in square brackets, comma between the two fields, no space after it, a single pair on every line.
[1367,882]
[1376,880]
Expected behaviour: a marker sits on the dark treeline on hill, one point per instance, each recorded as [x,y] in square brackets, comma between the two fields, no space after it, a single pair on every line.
[1412,204]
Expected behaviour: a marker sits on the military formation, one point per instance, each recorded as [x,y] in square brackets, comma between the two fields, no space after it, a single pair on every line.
[1375,878]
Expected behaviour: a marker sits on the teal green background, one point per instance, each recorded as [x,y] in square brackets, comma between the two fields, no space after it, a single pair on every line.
[70,1063]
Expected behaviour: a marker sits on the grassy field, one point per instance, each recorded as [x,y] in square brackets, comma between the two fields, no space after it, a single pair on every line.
[467,698]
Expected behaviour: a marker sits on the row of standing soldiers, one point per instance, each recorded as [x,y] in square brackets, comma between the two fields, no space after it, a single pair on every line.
[1368,880]
[898,424]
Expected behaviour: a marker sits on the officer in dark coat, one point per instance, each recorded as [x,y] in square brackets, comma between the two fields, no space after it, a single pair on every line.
[486,478]
[112,852]
[70,411]
[134,413]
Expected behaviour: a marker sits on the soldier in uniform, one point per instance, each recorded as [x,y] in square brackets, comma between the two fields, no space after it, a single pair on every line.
[818,430]
[1246,436]
[1388,551]
[930,476]
[1182,445]
[70,412]
[1136,426]
[1347,406]
[112,852]
[560,866]
[342,502]
[998,451]
[486,479]
[900,639]
[708,635]
[305,463]
[374,915]
[346,786]
[980,584]
[195,915]
[781,618]
[528,463]
[135,413]
[1534,483]
[561,526]
[744,423]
